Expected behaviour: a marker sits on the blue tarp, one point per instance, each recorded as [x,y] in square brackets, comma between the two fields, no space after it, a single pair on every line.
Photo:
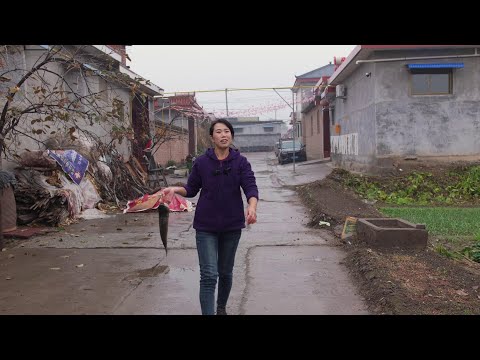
[74,164]
[7,179]
[436,66]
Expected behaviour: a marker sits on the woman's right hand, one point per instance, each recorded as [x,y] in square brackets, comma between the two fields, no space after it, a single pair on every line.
[168,192]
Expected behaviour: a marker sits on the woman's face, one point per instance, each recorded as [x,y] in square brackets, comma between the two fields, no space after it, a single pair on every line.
[222,137]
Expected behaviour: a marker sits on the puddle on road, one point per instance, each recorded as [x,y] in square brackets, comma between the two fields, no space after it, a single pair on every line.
[150,272]
[154,271]
[159,270]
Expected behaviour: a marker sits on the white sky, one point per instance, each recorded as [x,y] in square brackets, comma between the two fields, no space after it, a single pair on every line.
[193,68]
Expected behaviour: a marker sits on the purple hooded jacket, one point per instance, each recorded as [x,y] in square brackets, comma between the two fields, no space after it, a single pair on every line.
[220,205]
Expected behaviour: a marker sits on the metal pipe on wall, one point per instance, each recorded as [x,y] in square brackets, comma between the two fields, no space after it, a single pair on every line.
[419,58]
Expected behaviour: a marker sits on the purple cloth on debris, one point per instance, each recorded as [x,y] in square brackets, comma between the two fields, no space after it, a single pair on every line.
[71,162]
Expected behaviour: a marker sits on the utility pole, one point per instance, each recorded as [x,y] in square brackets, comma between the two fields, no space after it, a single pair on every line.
[293,120]
[183,140]
[294,116]
[195,121]
[226,100]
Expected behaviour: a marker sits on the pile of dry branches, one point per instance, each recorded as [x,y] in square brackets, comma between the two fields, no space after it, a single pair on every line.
[36,204]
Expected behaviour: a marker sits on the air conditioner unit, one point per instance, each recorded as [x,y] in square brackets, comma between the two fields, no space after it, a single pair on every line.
[340,91]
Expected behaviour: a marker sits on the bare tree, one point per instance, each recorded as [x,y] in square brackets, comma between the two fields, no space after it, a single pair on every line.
[50,90]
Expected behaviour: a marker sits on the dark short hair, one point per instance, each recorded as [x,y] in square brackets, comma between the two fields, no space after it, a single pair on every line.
[224,122]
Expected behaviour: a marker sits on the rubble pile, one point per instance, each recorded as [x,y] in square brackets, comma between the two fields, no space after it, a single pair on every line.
[37,202]
[47,193]
[119,181]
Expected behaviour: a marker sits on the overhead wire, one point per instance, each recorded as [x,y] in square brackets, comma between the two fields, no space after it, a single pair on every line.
[242,100]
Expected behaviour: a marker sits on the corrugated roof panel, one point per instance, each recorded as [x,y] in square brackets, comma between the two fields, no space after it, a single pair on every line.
[436,66]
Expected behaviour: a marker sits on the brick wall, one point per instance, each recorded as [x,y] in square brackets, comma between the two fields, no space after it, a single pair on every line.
[175,149]
[314,141]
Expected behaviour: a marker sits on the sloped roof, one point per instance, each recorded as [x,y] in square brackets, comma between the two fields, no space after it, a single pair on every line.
[326,70]
[148,87]
[186,104]
[363,52]
[312,77]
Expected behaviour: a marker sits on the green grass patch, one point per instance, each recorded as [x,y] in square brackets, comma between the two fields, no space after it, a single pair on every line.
[457,230]
[440,220]
[454,231]
[455,187]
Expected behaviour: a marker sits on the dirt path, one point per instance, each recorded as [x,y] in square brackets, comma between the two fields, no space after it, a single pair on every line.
[394,282]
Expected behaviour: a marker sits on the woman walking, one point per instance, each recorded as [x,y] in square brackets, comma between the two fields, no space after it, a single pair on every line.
[220,173]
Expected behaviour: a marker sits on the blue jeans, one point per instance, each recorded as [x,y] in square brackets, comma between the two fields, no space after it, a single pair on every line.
[216,255]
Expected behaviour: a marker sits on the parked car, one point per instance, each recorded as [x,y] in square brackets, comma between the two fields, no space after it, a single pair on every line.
[286,152]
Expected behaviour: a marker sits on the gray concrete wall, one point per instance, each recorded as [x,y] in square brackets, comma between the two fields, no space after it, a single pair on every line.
[355,115]
[254,138]
[391,122]
[256,142]
[249,129]
[25,60]
[427,125]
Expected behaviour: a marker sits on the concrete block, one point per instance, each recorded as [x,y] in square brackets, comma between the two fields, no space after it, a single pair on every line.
[391,232]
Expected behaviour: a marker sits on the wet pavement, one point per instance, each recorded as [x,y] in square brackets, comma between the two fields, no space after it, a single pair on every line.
[301,280]
[117,265]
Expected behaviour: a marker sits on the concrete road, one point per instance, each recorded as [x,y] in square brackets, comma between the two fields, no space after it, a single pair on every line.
[117,264]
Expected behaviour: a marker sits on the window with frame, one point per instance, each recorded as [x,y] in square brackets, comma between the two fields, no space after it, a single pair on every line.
[299,129]
[431,81]
[268,128]
[238,130]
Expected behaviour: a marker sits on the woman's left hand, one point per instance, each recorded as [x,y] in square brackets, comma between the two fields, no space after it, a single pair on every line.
[251,215]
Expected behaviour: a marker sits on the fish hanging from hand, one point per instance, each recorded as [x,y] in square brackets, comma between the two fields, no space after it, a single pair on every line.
[163,213]
[164,205]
